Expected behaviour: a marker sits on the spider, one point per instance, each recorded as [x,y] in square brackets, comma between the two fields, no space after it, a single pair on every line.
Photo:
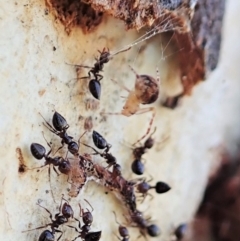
[146,92]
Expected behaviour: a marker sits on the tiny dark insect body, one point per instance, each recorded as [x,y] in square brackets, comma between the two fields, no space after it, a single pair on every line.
[65,212]
[143,187]
[122,230]
[138,220]
[94,84]
[46,235]
[39,152]
[137,165]
[101,143]
[59,128]
[180,231]
[83,231]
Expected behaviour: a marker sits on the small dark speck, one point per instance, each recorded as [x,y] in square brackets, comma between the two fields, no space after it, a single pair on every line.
[38,170]
[36,189]
[46,11]
[25,5]
[54,48]
[106,193]
[47,191]
[21,168]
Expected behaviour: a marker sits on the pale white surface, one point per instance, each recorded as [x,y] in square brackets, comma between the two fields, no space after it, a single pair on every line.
[34,78]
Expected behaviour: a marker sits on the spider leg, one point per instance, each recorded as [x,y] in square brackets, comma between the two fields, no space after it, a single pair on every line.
[145,110]
[121,85]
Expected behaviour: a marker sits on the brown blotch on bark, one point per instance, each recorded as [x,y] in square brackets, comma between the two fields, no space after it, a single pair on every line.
[22,166]
[72,13]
